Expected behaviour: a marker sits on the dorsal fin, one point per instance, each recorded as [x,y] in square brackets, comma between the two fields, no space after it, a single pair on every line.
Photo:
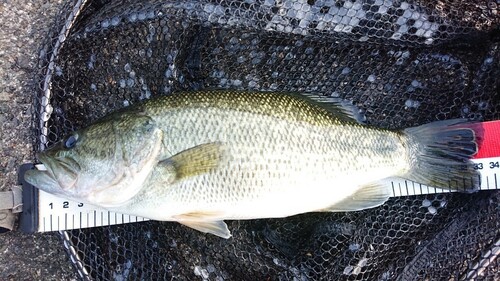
[338,107]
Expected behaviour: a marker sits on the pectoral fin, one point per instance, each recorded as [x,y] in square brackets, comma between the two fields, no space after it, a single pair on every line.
[218,228]
[194,161]
[368,196]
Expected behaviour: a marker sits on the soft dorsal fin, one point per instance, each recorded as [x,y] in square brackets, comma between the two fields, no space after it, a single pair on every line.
[194,161]
[340,108]
[368,196]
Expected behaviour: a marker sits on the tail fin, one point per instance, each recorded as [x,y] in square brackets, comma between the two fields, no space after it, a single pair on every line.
[439,154]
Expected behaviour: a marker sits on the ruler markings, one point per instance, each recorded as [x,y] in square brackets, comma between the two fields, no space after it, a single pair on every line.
[50,205]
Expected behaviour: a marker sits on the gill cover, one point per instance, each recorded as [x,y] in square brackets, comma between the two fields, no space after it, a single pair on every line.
[137,148]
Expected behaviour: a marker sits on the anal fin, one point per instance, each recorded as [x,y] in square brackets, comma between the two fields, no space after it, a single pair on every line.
[368,196]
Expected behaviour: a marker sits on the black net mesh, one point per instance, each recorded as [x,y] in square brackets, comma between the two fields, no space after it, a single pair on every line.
[404,63]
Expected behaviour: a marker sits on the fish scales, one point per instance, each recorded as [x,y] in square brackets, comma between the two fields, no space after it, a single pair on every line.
[277,145]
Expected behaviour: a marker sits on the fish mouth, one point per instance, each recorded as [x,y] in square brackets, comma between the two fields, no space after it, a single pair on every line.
[43,181]
[64,171]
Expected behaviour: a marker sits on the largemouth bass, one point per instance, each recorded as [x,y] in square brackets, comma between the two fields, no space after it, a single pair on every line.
[199,158]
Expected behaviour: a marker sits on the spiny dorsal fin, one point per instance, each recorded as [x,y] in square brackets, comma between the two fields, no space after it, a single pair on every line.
[195,161]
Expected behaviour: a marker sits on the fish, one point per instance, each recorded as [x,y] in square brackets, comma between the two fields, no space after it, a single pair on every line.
[202,157]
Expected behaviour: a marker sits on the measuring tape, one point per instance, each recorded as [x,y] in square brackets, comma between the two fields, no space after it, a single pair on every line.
[46,212]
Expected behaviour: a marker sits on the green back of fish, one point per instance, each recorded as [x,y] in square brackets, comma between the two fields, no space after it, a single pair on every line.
[288,106]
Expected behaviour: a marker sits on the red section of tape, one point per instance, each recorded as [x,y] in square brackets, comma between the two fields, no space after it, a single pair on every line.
[490,143]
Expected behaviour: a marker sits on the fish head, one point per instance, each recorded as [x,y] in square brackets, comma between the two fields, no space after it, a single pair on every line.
[104,164]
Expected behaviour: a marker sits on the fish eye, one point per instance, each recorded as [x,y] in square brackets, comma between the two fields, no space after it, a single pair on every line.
[70,141]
